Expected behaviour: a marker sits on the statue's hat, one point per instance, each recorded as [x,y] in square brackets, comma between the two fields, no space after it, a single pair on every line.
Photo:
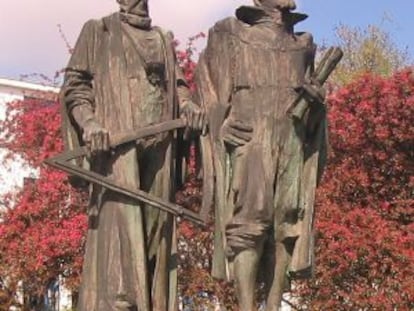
[251,13]
[276,4]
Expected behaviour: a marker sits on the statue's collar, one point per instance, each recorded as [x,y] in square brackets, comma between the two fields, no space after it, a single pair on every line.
[253,15]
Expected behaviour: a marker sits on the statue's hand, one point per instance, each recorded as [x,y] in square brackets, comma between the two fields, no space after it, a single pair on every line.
[315,95]
[236,133]
[194,116]
[313,92]
[96,137]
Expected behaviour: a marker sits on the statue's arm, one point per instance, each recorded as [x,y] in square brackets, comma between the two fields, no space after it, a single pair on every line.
[78,93]
[78,87]
[187,109]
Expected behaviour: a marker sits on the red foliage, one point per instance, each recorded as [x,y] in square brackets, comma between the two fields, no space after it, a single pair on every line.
[32,130]
[185,59]
[42,228]
[365,245]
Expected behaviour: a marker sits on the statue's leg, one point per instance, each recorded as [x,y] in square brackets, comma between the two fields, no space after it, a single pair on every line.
[246,265]
[277,287]
[155,179]
[252,218]
[286,202]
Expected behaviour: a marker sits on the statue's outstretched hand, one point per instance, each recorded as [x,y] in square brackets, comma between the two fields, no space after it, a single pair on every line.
[194,116]
[96,137]
[236,133]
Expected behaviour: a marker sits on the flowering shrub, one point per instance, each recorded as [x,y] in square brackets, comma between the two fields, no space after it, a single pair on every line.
[42,228]
[365,207]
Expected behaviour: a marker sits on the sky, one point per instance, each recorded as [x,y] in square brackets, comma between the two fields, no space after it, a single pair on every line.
[32,44]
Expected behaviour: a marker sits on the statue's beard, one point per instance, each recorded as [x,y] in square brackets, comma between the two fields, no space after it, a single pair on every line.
[135,13]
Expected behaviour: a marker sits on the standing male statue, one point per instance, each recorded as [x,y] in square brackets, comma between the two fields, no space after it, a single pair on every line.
[122,76]
[266,162]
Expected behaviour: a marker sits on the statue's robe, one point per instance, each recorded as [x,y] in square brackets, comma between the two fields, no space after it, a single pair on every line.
[129,77]
[265,189]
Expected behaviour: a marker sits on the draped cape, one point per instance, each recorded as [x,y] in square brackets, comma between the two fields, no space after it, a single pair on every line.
[249,73]
[130,258]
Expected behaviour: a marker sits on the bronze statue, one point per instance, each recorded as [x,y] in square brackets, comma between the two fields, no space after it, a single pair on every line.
[266,118]
[122,76]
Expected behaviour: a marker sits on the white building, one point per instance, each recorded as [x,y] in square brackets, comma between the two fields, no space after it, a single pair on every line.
[12,173]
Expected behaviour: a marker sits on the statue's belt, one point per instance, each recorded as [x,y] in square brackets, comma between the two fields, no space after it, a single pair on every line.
[65,163]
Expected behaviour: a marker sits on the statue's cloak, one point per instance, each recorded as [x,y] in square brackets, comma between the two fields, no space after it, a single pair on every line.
[244,66]
[130,249]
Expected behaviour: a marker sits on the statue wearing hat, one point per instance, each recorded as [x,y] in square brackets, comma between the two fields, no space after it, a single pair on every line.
[123,76]
[266,164]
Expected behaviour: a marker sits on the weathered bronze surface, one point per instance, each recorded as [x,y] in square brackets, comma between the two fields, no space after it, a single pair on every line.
[266,147]
[123,76]
[67,163]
